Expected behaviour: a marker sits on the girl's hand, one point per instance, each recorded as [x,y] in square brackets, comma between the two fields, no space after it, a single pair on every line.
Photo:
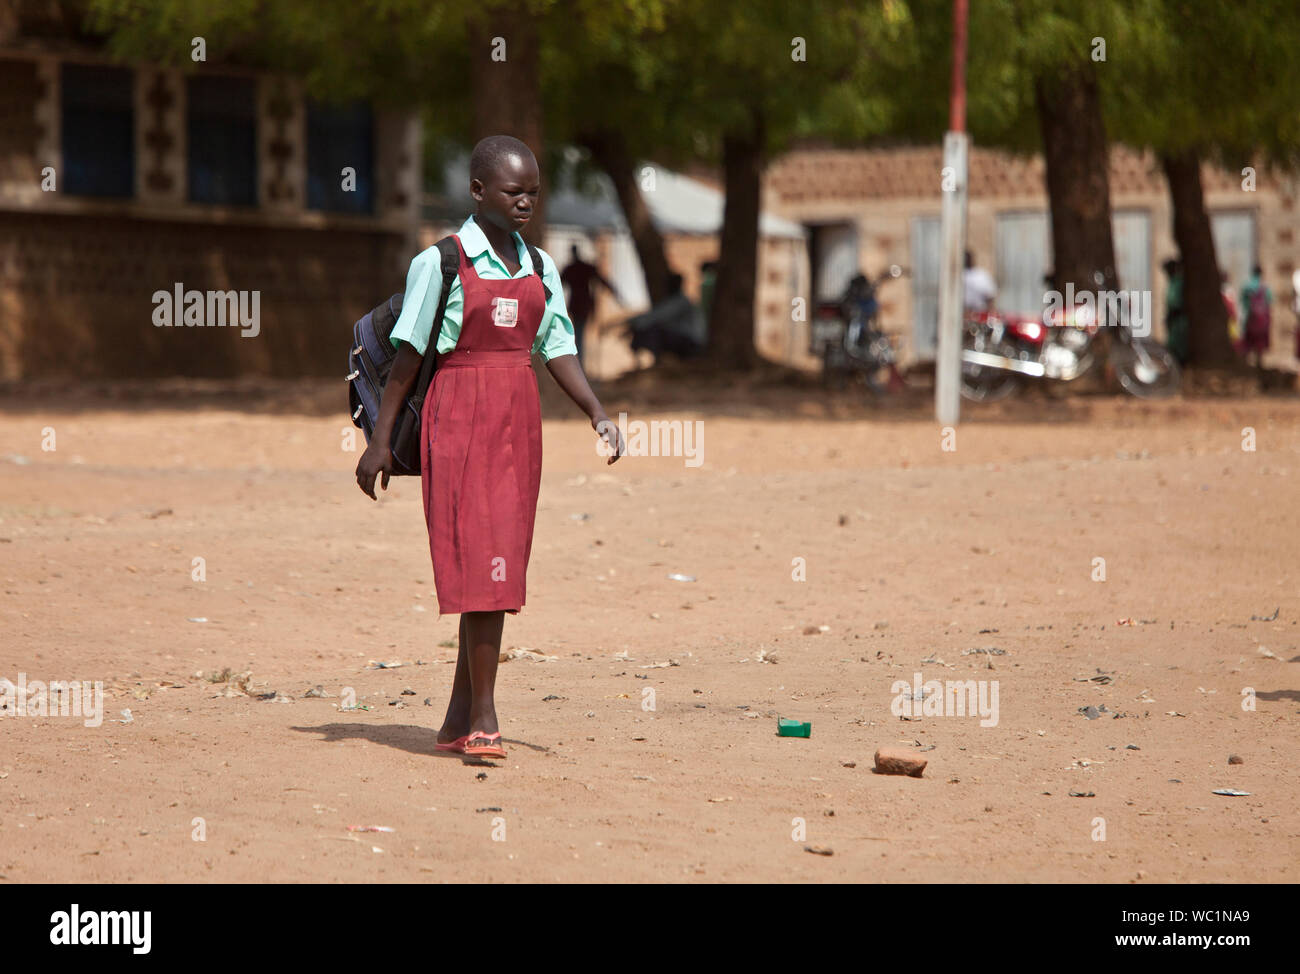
[612,435]
[570,377]
[377,459]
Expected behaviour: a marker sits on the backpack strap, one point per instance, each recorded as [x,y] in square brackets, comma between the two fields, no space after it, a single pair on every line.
[537,268]
[449,262]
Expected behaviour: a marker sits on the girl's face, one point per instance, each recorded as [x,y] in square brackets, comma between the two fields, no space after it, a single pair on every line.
[507,197]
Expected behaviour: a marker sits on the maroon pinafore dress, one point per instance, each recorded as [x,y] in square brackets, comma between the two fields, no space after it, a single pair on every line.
[481,465]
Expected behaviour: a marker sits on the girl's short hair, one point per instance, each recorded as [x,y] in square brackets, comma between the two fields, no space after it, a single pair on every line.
[492,151]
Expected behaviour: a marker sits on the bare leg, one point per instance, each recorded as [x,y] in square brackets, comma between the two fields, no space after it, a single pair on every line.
[483,637]
[456,723]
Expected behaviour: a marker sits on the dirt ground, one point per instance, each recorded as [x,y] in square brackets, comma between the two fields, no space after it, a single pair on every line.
[913,557]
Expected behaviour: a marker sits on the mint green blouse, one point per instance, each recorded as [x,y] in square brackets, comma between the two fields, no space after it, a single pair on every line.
[424,288]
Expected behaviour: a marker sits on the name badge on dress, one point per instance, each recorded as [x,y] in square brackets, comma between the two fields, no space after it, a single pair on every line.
[505,312]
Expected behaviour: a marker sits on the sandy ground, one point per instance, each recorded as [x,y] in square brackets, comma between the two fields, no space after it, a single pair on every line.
[914,556]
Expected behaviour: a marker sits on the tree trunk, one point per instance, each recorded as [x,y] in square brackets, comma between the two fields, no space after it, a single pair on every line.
[1208,342]
[1078,179]
[609,151]
[506,89]
[731,325]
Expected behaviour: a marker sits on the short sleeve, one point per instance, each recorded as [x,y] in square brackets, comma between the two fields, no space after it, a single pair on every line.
[423,289]
[555,336]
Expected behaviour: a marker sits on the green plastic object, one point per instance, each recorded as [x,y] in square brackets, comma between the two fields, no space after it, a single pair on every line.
[793,728]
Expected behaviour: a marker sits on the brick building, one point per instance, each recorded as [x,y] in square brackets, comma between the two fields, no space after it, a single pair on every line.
[118,182]
[121,182]
[866,209]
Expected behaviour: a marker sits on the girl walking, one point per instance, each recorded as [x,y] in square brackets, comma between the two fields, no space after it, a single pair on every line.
[481,461]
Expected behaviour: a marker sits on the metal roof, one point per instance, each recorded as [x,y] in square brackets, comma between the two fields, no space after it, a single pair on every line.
[678,204]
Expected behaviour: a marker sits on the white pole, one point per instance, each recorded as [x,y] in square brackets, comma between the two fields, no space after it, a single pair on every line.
[947,365]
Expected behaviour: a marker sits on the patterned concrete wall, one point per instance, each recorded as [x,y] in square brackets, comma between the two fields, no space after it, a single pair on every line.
[78,290]
[881,193]
[78,275]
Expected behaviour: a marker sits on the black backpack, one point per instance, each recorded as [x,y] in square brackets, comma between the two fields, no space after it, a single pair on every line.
[371,361]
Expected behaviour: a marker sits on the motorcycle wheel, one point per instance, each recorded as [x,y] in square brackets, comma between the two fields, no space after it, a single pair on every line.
[984,384]
[876,365]
[874,379]
[834,376]
[989,388]
[1145,369]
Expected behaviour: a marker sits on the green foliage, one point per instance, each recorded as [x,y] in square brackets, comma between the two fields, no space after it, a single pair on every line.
[673,75]
[1216,76]
[1010,45]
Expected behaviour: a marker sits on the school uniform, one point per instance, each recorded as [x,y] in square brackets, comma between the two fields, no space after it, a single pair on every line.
[481,457]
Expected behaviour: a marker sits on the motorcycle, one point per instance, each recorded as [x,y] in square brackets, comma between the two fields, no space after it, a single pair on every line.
[1000,352]
[847,336]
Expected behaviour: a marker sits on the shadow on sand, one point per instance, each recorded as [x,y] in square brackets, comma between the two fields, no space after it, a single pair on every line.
[405,737]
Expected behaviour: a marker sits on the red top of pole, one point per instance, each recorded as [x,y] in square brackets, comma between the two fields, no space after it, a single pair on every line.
[957,106]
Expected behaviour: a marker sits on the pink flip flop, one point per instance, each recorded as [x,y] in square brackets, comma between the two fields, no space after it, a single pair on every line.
[455,747]
[490,749]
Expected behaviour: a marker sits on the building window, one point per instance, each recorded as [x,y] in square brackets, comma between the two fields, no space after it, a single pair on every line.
[1024,256]
[340,138]
[833,259]
[1131,231]
[98,130]
[1234,245]
[926,240]
[222,134]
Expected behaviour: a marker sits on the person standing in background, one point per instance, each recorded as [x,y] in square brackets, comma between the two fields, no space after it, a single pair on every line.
[1256,306]
[580,277]
[708,282]
[1295,307]
[1176,336]
[979,287]
[1230,304]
